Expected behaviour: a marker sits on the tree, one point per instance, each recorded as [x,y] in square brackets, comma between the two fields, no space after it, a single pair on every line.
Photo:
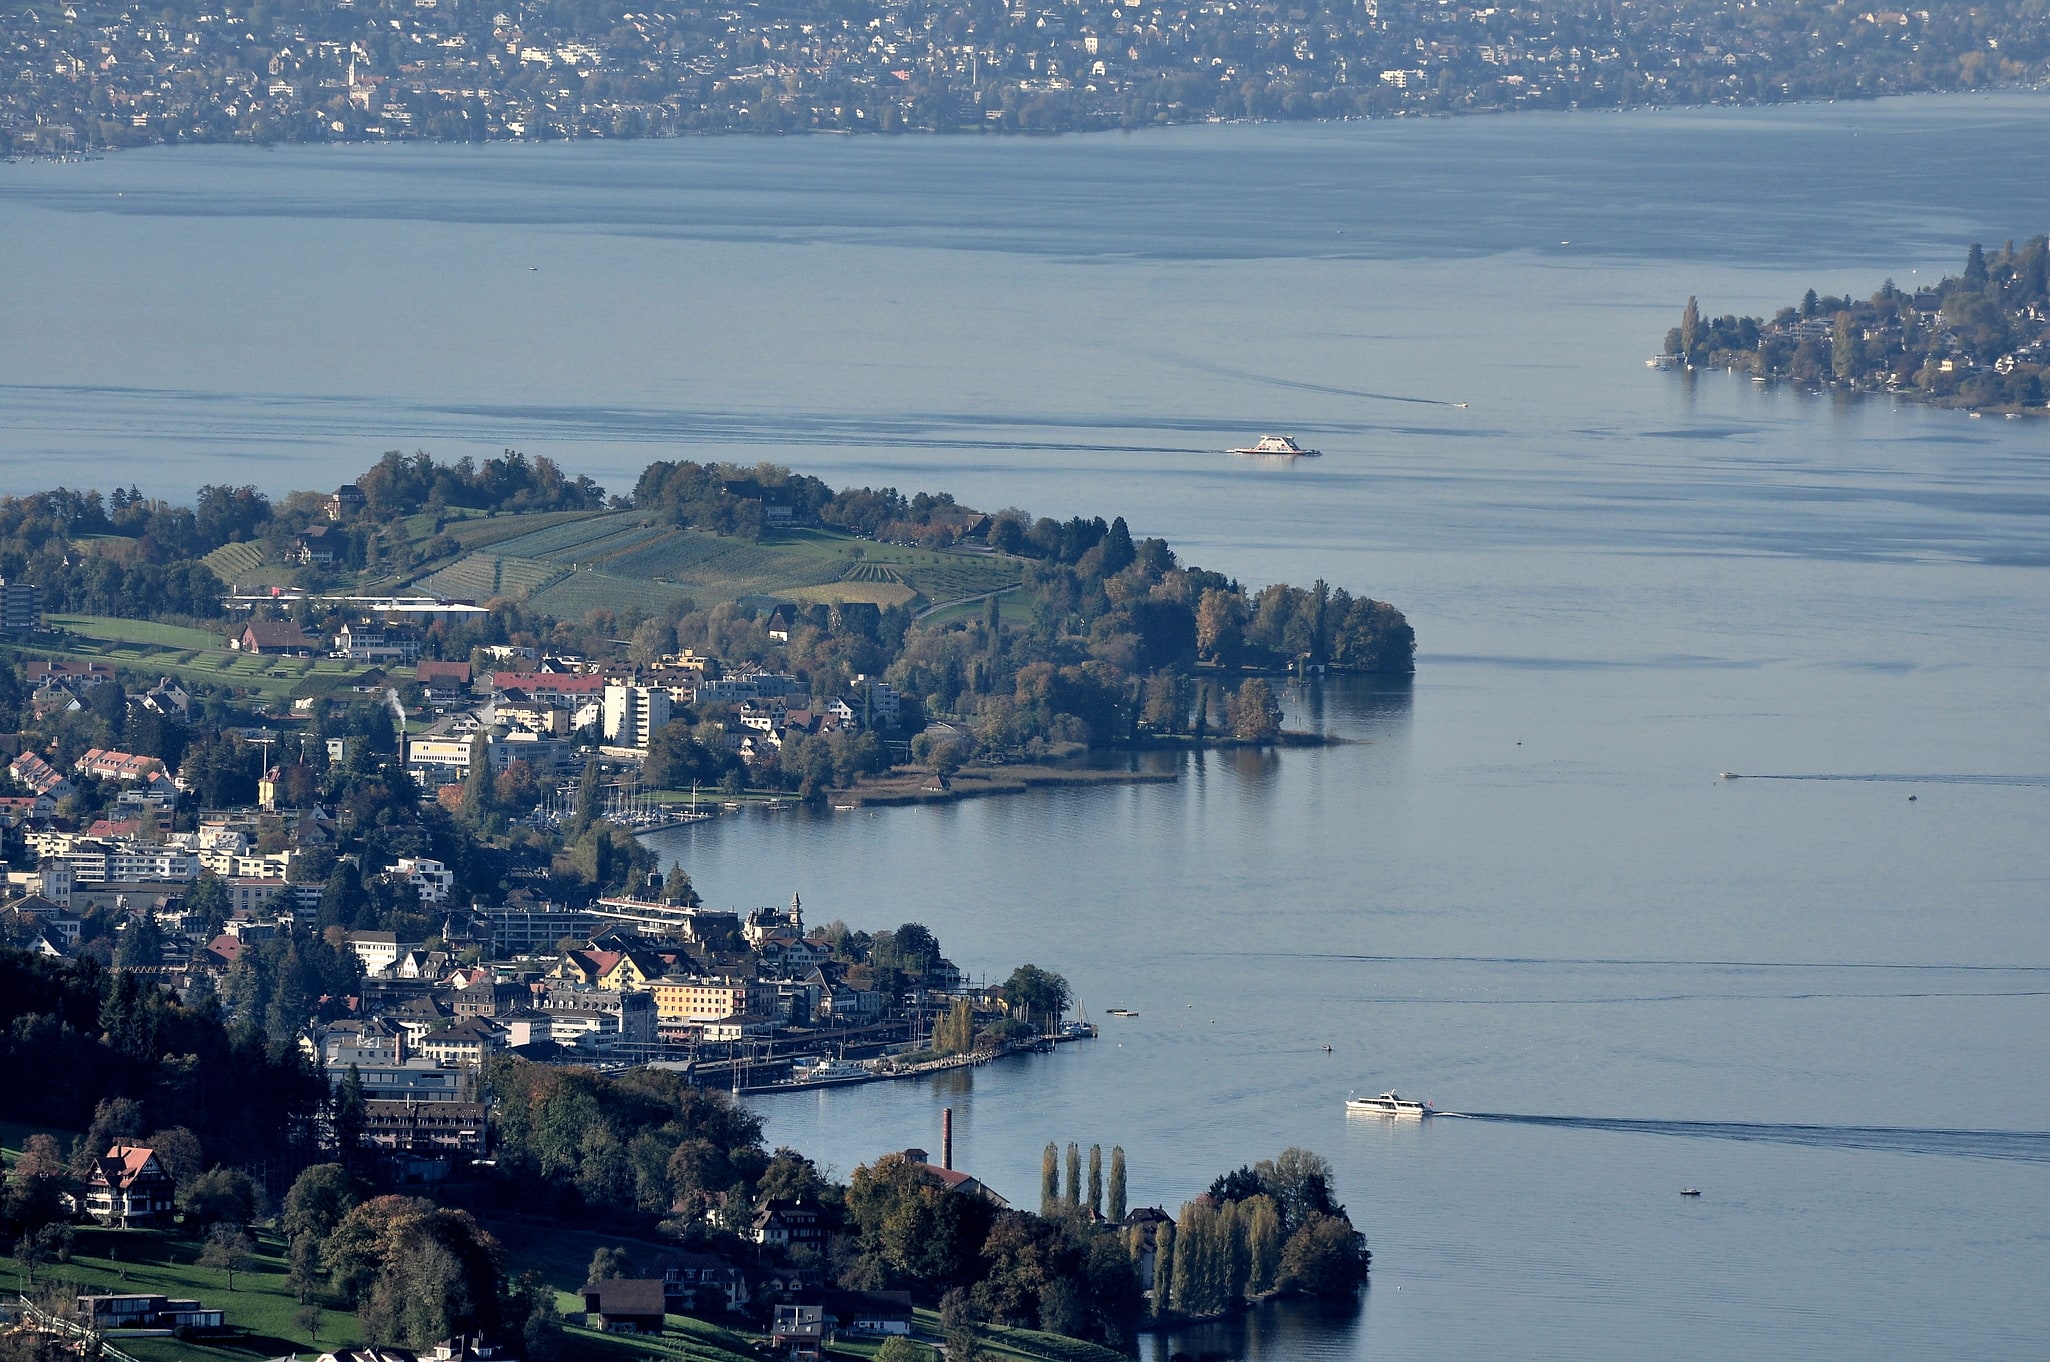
[1095,1179]
[227,1250]
[1034,994]
[480,795]
[1324,1257]
[318,1200]
[303,1276]
[1074,1197]
[221,1196]
[1163,1269]
[898,1348]
[1050,1179]
[1115,1212]
[307,1317]
[1262,1223]
[415,1272]
[351,1114]
[1690,329]
[1253,712]
[608,1264]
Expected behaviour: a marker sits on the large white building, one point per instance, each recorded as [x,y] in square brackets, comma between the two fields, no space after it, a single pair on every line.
[633,714]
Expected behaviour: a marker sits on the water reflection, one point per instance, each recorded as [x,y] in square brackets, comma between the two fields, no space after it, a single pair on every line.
[1277,1330]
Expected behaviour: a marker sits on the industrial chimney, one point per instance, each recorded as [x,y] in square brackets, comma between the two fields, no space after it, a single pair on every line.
[947,1139]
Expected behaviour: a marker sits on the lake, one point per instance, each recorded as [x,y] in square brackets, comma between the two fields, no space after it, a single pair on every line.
[1524,893]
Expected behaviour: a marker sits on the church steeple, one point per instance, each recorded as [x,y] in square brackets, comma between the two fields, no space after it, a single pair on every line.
[796,912]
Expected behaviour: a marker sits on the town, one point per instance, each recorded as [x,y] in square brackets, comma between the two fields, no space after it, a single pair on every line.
[81,75]
[346,1001]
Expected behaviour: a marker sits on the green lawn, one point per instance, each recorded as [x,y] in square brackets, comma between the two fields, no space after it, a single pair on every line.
[259,1309]
[109,629]
[192,655]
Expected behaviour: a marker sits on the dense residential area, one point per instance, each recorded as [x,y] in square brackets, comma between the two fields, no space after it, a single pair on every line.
[81,75]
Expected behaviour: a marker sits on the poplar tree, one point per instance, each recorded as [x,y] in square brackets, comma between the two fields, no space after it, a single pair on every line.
[1095,1179]
[1263,1243]
[1049,1179]
[1163,1269]
[1074,1175]
[1690,329]
[1116,1209]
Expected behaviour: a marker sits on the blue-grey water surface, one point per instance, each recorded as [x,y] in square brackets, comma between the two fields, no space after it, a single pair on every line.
[1524,894]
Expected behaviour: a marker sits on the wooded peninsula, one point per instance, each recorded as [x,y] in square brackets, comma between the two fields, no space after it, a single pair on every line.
[1979,340]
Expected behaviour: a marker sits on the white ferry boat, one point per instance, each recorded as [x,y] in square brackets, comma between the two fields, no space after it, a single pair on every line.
[831,1071]
[1389,1104]
[1282,445]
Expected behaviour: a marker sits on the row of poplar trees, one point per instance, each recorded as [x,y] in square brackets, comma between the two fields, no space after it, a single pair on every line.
[1052,1201]
[1215,1257]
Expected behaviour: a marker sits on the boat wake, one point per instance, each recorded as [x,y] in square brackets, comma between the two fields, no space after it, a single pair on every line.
[2020,1146]
[1896,778]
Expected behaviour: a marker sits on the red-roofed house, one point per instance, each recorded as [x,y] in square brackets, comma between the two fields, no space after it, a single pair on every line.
[562,688]
[108,765]
[130,1189]
[45,779]
[443,678]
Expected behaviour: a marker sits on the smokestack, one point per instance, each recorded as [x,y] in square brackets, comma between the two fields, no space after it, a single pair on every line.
[947,1139]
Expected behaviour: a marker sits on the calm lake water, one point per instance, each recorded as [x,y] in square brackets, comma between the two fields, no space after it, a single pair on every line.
[1524,893]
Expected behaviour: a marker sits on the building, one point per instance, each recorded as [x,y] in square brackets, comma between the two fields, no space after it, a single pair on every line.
[799,1332]
[701,1000]
[426,1128]
[378,643]
[467,1043]
[145,1312]
[129,1189]
[626,1305]
[443,680]
[634,714]
[111,765]
[523,931]
[568,690]
[433,879]
[378,951]
[279,637]
[39,776]
[789,1224]
[21,606]
[346,499]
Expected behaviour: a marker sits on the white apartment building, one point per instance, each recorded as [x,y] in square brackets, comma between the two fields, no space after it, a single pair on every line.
[633,714]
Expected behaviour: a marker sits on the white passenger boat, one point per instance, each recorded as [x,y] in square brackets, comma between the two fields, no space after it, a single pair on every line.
[830,1071]
[1283,446]
[1389,1104]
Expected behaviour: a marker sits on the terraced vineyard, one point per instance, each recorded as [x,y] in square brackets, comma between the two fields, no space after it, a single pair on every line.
[230,562]
[567,564]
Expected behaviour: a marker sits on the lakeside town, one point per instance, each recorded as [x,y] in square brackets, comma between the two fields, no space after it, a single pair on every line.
[80,76]
[333,962]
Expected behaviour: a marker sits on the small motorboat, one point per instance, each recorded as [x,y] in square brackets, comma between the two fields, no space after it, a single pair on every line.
[1283,446]
[1690,1191]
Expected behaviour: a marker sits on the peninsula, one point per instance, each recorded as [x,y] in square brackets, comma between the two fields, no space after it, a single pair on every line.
[719,630]
[1979,340]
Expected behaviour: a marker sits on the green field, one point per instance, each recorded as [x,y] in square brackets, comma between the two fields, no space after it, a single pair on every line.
[568,563]
[191,655]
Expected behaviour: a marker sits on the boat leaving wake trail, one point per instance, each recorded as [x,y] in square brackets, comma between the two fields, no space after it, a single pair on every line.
[2021,1146]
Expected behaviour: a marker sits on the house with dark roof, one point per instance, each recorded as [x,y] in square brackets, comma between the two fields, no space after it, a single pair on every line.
[129,1189]
[625,1305]
[789,1224]
[278,637]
